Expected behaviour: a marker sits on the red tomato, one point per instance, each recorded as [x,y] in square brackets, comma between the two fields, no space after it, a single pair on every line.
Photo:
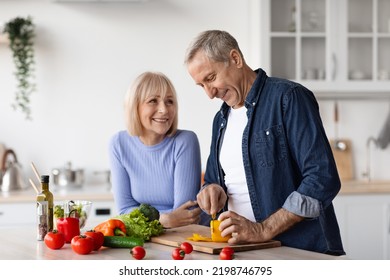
[186,247]
[98,238]
[138,252]
[178,254]
[82,244]
[54,239]
[225,255]
[228,250]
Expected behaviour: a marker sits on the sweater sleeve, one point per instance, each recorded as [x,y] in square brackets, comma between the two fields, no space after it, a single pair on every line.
[120,181]
[187,172]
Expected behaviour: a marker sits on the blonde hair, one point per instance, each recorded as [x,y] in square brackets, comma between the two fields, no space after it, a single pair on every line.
[145,85]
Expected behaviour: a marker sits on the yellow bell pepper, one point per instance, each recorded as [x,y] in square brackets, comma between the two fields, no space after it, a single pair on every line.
[216,233]
[198,237]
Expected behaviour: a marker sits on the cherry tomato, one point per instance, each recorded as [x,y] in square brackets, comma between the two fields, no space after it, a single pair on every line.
[224,255]
[138,252]
[98,238]
[186,247]
[228,250]
[227,253]
[54,239]
[82,244]
[178,254]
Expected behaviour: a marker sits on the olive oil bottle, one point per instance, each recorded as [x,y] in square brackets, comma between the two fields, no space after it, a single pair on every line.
[45,204]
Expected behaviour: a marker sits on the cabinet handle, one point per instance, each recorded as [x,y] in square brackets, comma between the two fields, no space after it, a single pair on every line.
[334,71]
[103,211]
[388,216]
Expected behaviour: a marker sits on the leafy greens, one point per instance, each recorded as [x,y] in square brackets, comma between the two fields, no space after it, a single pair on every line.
[138,225]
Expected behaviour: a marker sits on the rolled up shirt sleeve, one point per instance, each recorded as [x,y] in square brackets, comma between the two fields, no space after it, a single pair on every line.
[302,205]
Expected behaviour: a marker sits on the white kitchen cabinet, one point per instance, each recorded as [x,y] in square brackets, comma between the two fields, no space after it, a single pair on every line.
[24,213]
[17,214]
[330,46]
[364,221]
[100,211]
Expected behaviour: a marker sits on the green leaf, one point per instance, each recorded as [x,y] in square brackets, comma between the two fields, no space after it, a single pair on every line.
[21,33]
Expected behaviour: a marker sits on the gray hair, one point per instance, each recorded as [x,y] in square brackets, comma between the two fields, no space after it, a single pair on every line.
[216,44]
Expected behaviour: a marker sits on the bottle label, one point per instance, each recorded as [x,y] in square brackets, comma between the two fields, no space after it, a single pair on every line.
[42,219]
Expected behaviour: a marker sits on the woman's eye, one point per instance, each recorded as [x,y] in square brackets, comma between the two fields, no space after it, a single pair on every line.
[169,102]
[152,101]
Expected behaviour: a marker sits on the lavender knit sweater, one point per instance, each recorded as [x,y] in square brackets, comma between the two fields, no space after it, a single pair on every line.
[164,175]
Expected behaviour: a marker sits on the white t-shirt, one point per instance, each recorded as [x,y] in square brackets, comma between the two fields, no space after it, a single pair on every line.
[233,166]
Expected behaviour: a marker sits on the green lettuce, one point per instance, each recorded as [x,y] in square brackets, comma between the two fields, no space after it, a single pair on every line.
[138,225]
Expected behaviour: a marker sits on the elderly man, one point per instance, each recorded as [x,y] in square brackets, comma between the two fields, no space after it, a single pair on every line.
[271,172]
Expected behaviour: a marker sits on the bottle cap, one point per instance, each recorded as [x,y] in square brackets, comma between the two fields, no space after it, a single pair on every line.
[45,178]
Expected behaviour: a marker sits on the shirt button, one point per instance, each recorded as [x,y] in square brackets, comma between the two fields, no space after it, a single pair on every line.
[221,124]
[267,132]
[254,103]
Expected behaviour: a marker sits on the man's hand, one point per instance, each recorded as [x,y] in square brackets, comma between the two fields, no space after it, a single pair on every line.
[212,199]
[245,231]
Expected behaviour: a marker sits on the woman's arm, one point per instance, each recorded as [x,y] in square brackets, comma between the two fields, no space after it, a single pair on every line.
[120,180]
[187,176]
[187,170]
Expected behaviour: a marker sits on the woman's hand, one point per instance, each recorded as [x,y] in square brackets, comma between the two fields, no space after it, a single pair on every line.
[188,213]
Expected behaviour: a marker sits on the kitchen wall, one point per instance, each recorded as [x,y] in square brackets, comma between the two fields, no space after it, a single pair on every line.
[87,54]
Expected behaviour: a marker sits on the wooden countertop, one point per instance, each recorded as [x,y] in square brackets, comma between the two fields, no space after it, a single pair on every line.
[103,192]
[19,243]
[363,187]
[89,192]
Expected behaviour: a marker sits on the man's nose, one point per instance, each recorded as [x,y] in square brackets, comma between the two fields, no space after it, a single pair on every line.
[210,91]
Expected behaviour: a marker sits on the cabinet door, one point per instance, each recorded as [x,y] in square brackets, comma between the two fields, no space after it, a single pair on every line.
[100,211]
[328,45]
[298,43]
[298,40]
[368,40]
[17,214]
[364,225]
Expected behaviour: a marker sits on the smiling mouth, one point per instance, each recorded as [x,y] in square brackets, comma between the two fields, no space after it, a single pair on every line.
[222,96]
[159,120]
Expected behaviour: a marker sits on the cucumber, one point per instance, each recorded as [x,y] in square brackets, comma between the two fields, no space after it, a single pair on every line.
[122,241]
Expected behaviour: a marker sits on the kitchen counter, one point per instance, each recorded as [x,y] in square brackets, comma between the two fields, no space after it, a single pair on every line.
[88,192]
[19,207]
[365,187]
[19,243]
[103,192]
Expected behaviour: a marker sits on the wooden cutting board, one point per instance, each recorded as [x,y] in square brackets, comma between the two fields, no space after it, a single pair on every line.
[344,160]
[173,237]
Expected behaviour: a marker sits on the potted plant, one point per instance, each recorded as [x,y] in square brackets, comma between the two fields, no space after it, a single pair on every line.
[20,33]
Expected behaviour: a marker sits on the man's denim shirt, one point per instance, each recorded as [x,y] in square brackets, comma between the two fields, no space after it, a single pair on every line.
[288,162]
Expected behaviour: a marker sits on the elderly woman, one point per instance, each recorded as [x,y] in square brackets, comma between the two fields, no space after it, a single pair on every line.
[153,162]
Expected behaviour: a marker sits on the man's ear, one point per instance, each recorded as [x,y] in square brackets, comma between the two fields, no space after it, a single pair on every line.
[236,58]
